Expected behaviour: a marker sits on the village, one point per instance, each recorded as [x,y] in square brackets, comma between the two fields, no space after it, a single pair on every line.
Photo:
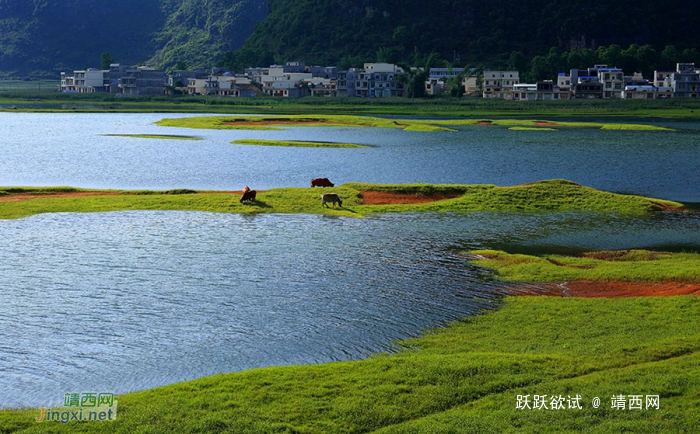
[384,80]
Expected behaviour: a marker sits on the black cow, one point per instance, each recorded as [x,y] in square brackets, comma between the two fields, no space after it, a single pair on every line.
[332,198]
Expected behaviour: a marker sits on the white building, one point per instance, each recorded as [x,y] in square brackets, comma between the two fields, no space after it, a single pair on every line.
[90,80]
[499,84]
[646,92]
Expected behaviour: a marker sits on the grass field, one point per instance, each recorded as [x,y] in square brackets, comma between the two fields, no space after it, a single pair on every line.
[461,379]
[624,265]
[550,196]
[28,96]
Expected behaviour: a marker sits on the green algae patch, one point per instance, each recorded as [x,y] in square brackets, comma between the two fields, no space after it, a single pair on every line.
[155,136]
[297,144]
[542,196]
[606,266]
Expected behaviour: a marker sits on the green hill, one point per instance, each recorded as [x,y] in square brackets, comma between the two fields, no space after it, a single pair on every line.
[43,37]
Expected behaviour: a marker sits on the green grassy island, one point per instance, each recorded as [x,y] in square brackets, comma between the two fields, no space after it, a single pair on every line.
[155,136]
[278,122]
[296,143]
[543,196]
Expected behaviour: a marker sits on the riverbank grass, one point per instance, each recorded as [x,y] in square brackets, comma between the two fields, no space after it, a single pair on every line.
[466,377]
[609,266]
[543,196]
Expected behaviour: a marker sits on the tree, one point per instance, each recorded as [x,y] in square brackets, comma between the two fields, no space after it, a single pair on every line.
[457,86]
[106,60]
[385,55]
[669,56]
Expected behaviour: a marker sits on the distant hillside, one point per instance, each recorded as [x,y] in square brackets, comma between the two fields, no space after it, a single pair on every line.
[197,32]
[39,37]
[465,31]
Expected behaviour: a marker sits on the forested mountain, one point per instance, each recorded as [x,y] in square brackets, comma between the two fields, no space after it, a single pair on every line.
[349,32]
[53,35]
[46,36]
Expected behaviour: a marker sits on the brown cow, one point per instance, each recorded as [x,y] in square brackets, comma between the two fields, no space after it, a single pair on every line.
[248,195]
[321,182]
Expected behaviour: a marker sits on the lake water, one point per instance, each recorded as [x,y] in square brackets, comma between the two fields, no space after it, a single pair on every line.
[69,149]
[124,301]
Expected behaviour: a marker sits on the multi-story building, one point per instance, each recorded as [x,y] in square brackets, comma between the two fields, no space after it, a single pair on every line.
[143,80]
[181,78]
[67,82]
[499,84]
[540,91]
[663,78]
[321,86]
[564,81]
[85,81]
[646,91]
[685,82]
[612,79]
[375,80]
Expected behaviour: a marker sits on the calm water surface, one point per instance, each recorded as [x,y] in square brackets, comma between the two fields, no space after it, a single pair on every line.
[70,149]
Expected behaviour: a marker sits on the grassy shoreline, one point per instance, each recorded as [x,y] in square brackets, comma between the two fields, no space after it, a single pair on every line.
[604,266]
[442,107]
[542,196]
[465,377]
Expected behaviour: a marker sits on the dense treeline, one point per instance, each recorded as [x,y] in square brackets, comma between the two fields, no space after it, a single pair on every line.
[464,32]
[635,58]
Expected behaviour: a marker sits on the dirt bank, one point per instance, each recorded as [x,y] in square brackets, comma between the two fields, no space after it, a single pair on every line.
[286,122]
[386,198]
[19,197]
[593,289]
